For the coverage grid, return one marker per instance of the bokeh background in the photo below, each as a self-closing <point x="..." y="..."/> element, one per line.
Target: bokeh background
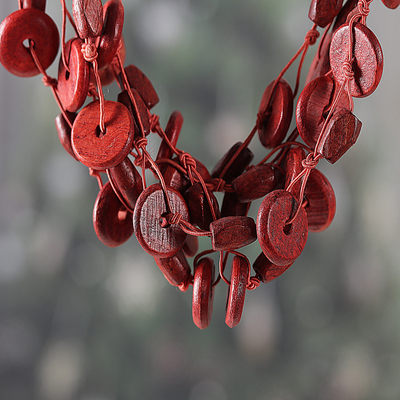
<point x="82" y="321"/>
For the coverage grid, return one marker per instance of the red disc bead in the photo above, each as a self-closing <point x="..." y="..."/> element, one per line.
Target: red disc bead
<point x="175" y="269"/>
<point x="88" y="17"/>
<point x="322" y="12"/>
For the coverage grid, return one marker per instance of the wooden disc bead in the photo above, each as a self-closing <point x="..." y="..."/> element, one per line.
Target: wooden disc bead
<point x="113" y="15"/>
<point x="231" y="206"/>
<point x="237" y="291"/>
<point x="280" y="242"/>
<point x="191" y="246"/>
<point x="275" y="119"/>
<point x="126" y="182"/>
<point x="321" y="201"/>
<point x="231" y="233"/>
<point x="27" y="24"/>
<point x="268" y="271"/>
<point x="64" y="132"/>
<point x="150" y="207"/>
<point x="38" y="4"/>
<point x="255" y="183"/>
<point x="203" y="292"/>
<point x="73" y="85"/>
<point x="391" y="3"/>
<point x="88" y="17"/>
<point x="175" y="269"/>
<point x="97" y="150"/>
<point x="367" y="56"/>
<point x="292" y="165"/>
<point x="142" y="84"/>
<point x="322" y="12"/>
<point x="112" y="221"/>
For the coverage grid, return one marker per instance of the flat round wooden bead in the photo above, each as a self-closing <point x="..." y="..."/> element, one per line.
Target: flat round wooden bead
<point x="266" y="270"/>
<point x="292" y="165"/>
<point x="255" y="183"/>
<point x="199" y="208"/>
<point x="367" y="56"/>
<point x="275" y="119"/>
<point x="112" y="221"/>
<point x="237" y="291"/>
<point x="38" y="4"/>
<point x="343" y="130"/>
<point x="391" y="3"/>
<point x="97" y="150"/>
<point x="322" y="12"/>
<point x="203" y="292"/>
<point x="237" y="167"/>
<point x="64" y="132"/>
<point x="157" y="240"/>
<point x="231" y="233"/>
<point x="280" y="242"/>
<point x="73" y="85"/>
<point x="27" y="24"/>
<point x="175" y="269"/>
<point x="113" y="15"/>
<point x="126" y="182"/>
<point x="142" y="84"/>
<point x="313" y="108"/>
<point x="231" y="205"/>
<point x="321" y="201"/>
<point x="88" y="17"/>
<point x="191" y="246"/>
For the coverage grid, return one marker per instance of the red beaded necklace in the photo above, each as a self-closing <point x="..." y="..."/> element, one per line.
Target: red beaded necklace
<point x="167" y="217"/>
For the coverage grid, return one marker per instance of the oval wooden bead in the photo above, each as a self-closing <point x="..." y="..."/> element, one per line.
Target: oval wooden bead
<point x="274" y="121"/>
<point x="38" y="4"/>
<point x="113" y="15"/>
<point x="27" y="24"/>
<point x="88" y="17"/>
<point x="175" y="269"/>
<point x="237" y="167"/>
<point x="126" y="182"/>
<point x="391" y="3"/>
<point x="292" y="165"/>
<point x="321" y="201"/>
<point x="155" y="239"/>
<point x="203" y="292"/>
<point x="255" y="183"/>
<point x="322" y="12"/>
<point x="64" y="132"/>
<point x="281" y="243"/>
<point x="199" y="209"/>
<point x="102" y="151"/>
<point x="367" y="56"/>
<point x="191" y="246"/>
<point x="313" y="108"/>
<point x="112" y="221"/>
<point x="343" y="130"/>
<point x="231" y="206"/>
<point x="266" y="270"/>
<point x="231" y="233"/>
<point x="142" y="84"/>
<point x="237" y="291"/>
<point x="73" y="85"/>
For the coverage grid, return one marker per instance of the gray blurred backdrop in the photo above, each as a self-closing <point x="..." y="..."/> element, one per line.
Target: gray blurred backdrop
<point x="82" y="321"/>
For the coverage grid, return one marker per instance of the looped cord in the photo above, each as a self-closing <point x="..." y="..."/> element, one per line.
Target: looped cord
<point x="48" y="81"/>
<point x="312" y="36"/>
<point x="218" y="185"/>
<point x="187" y="161"/>
<point x="140" y="143"/>
<point x="154" y="123"/>
<point x="347" y="71"/>
<point x="363" y="8"/>
<point x="174" y="219"/>
<point x="89" y="51"/>
<point x="309" y="162"/>
<point x="253" y="283"/>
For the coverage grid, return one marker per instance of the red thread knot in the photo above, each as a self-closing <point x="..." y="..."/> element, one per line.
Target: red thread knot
<point x="187" y="161"/>
<point x="48" y="81"/>
<point x="218" y="185"/>
<point x="363" y="7"/>
<point x="312" y="36"/>
<point x="89" y="51"/>
<point x="347" y="71"/>
<point x="253" y="283"/>
<point x="174" y="219"/>
<point x="154" y="122"/>
<point x="185" y="285"/>
<point x="309" y="162"/>
<point x="141" y="143"/>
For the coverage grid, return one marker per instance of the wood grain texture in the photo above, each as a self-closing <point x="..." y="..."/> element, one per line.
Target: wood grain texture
<point x="88" y="17"/>
<point x="275" y="118"/>
<point x="281" y="243"/>
<point x="102" y="151"/>
<point x="27" y="24"/>
<point x="292" y="164"/>
<point x="111" y="220"/>
<point x="203" y="292"/>
<point x="266" y="270"/>
<point x="64" y="133"/>
<point x="175" y="269"/>
<point x="367" y="56"/>
<point x="237" y="291"/>
<point x="73" y="85"/>
<point x="231" y="233"/>
<point x="322" y="12"/>
<point x="150" y="206"/>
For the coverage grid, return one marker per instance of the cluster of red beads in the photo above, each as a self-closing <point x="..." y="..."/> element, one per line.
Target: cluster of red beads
<point x="110" y="137"/>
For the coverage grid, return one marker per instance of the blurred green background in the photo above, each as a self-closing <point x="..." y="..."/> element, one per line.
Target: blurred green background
<point x="82" y="321"/>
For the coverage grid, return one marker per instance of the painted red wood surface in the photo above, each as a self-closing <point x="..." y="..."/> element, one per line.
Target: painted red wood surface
<point x="322" y="12"/>
<point x="175" y="269"/>
<point x="268" y="271"/>
<point x="64" y="132"/>
<point x="88" y="17"/>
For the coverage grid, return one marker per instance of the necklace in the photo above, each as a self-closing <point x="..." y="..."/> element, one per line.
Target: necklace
<point x="167" y="217"/>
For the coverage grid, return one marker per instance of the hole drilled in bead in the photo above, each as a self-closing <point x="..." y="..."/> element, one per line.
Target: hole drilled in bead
<point x="26" y="43"/>
<point x="287" y="229"/>
<point x="163" y="221"/>
<point x="99" y="133"/>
